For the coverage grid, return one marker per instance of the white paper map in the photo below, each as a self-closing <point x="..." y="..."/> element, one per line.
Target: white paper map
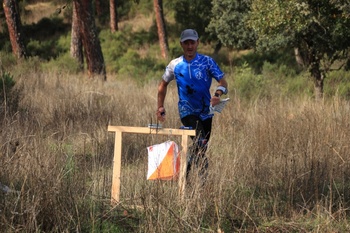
<point x="219" y="107"/>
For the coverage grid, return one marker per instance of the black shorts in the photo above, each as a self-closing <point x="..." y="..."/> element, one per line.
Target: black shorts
<point x="203" y="128"/>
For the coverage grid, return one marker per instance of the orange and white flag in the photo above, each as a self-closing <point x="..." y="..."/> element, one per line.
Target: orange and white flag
<point x="163" y="161"/>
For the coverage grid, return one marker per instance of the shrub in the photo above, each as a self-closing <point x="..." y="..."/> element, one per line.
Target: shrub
<point x="247" y="83"/>
<point x="274" y="81"/>
<point x="7" y="60"/>
<point x="28" y="66"/>
<point x="65" y="62"/>
<point x="132" y="65"/>
<point x="9" y="97"/>
<point x="257" y="60"/>
<point x="44" y="49"/>
<point x="338" y="83"/>
<point x="298" y="85"/>
<point x="114" y="45"/>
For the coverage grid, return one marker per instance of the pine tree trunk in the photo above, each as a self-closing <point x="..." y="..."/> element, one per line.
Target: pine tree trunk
<point x="14" y="25"/>
<point x="89" y="36"/>
<point x="76" y="46"/>
<point x="163" y="42"/>
<point x="113" y="15"/>
<point x="98" y="8"/>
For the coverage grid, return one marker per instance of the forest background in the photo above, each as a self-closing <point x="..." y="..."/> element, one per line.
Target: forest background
<point x="279" y="157"/>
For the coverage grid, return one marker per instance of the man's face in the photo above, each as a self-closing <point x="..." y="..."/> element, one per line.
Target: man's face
<point x="190" y="48"/>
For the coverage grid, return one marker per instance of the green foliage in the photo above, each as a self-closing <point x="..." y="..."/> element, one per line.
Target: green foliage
<point x="30" y="65"/>
<point x="46" y="28"/>
<point x="114" y="45"/>
<point x="318" y="29"/>
<point x="144" y="7"/>
<point x="282" y="80"/>
<point x="229" y="23"/>
<point x="274" y="80"/>
<point x="194" y="14"/>
<point x="247" y="84"/>
<point x="132" y="65"/>
<point x="338" y="84"/>
<point x="321" y="25"/>
<point x="9" y="96"/>
<point x="5" y="44"/>
<point x="63" y="43"/>
<point x="7" y="60"/>
<point x="63" y="63"/>
<point x="43" y="49"/>
<point x="256" y="60"/>
<point x="175" y="50"/>
<point x="126" y="224"/>
<point x="298" y="85"/>
<point x="6" y="82"/>
<point x="275" y="22"/>
<point x="121" y="53"/>
<point x="44" y="38"/>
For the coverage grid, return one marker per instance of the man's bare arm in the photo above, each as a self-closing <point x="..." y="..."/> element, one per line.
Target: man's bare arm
<point x="162" y="90"/>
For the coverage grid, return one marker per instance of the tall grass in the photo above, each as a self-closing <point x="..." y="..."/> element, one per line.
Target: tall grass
<point x="277" y="165"/>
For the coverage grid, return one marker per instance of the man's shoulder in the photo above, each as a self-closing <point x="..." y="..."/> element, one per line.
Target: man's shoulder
<point x="175" y="61"/>
<point x="202" y="57"/>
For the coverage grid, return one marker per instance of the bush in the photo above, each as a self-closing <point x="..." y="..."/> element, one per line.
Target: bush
<point x="257" y="60"/>
<point x="44" y="38"/>
<point x="298" y="85"/>
<point x="114" y="45"/>
<point x="28" y="66"/>
<point x="337" y="83"/>
<point x="132" y="65"/>
<point x="274" y="81"/>
<point x="247" y="83"/>
<point x="9" y="97"/>
<point x="65" y="62"/>
<point x="7" y="60"/>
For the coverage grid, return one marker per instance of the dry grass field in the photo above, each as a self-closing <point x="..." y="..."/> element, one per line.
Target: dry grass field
<point x="275" y="166"/>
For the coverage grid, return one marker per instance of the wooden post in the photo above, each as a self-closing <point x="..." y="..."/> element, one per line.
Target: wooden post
<point x="119" y="130"/>
<point x="117" y="163"/>
<point x="183" y="162"/>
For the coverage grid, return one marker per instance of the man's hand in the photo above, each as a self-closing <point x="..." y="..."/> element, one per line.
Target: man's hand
<point x="161" y="114"/>
<point x="214" y="100"/>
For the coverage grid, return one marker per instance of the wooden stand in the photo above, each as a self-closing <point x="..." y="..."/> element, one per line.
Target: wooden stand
<point x="145" y="130"/>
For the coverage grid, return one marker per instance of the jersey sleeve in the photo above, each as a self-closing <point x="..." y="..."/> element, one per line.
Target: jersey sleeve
<point x="169" y="72"/>
<point x="215" y="70"/>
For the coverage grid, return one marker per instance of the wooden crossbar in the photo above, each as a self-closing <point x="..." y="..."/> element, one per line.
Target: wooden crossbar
<point x="119" y="130"/>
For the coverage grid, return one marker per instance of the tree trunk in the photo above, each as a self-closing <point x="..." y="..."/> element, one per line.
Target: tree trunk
<point x="98" y="8"/>
<point x="163" y="42"/>
<point x="319" y="83"/>
<point x="217" y="48"/>
<point x="298" y="58"/>
<point x="317" y="75"/>
<point x="89" y="36"/>
<point x="14" y="25"/>
<point x="113" y="15"/>
<point x="76" y="46"/>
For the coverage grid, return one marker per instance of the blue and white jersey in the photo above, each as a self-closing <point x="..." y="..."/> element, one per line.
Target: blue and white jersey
<point x="193" y="81"/>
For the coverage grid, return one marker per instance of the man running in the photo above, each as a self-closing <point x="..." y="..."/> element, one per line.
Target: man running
<point x="193" y="73"/>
